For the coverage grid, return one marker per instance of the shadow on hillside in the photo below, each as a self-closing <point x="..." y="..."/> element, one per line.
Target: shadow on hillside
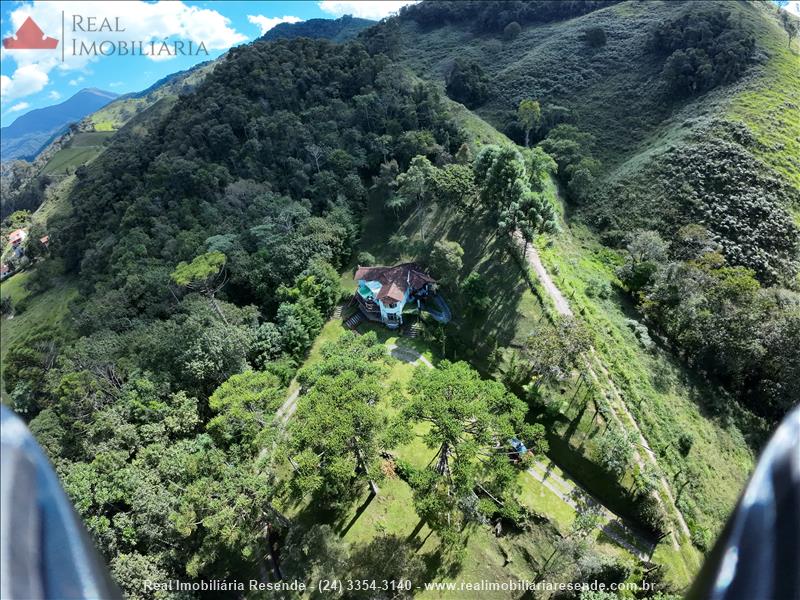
<point x="484" y="252"/>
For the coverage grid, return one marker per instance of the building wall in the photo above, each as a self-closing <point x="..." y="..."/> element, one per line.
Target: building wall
<point x="397" y="310"/>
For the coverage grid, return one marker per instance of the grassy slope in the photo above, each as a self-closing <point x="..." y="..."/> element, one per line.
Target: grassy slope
<point x="392" y="511"/>
<point x="615" y="93"/>
<point x="666" y="399"/>
<point x="116" y="114"/>
<point x="611" y="92"/>
<point x="770" y="104"/>
<point x="81" y="149"/>
<point x="45" y="311"/>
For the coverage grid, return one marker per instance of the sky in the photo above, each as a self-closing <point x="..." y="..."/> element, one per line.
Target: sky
<point x="31" y="79"/>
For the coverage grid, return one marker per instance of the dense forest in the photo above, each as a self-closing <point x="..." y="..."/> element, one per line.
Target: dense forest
<point x="214" y="237"/>
<point x="256" y="182"/>
<point x="724" y="211"/>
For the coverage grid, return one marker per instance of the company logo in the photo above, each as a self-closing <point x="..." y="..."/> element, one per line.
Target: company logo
<point x="30" y="37"/>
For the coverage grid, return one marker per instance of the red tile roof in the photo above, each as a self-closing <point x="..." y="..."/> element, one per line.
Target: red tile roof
<point x="394" y="280"/>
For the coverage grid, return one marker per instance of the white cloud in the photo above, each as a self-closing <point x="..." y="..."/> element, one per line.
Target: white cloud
<point x="370" y="9"/>
<point x="793" y="7"/>
<point x="267" y="23"/>
<point x="26" y="80"/>
<point x="114" y="84"/>
<point x="145" y="21"/>
<point x="77" y="80"/>
<point x="54" y="95"/>
<point x="18" y="107"/>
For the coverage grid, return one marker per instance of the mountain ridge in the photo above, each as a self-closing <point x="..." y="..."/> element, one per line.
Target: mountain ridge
<point x="31" y="132"/>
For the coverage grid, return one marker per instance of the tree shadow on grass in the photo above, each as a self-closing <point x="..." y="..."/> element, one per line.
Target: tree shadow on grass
<point x="321" y="510"/>
<point x="364" y="505"/>
<point x="574" y="423"/>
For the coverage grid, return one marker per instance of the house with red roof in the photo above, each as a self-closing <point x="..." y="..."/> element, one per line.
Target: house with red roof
<point x="384" y="291"/>
<point x="17" y="236"/>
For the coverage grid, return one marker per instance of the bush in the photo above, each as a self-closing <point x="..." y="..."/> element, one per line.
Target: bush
<point x="365" y="259"/>
<point x="651" y="515"/>
<point x="467" y="83"/>
<point x="511" y="31"/>
<point x="598" y="288"/>
<point x="701" y="537"/>
<point x="595" y="36"/>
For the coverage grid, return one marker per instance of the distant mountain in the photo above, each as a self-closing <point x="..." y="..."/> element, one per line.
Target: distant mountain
<point x="336" y="30"/>
<point x="31" y="132"/>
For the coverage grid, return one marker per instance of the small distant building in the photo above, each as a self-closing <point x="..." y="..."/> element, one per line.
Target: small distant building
<point x="17" y="236"/>
<point x="5" y="271"/>
<point x="384" y="291"/>
<point x="45" y="241"/>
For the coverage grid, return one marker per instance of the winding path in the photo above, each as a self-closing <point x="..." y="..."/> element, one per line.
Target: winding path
<point x="616" y="401"/>
<point x="532" y="258"/>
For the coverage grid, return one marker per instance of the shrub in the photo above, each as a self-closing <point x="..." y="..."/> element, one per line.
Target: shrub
<point x="511" y="31"/>
<point x="467" y="83"/>
<point x="365" y="259"/>
<point x="595" y="36"/>
<point x="651" y="515"/>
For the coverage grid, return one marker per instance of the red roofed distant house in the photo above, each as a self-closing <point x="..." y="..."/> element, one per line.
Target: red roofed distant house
<point x="384" y="291"/>
<point x="45" y="241"/>
<point x="16" y="237"/>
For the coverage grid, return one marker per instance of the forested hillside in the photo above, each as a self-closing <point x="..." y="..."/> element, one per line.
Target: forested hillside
<point x="257" y="180"/>
<point x="666" y="117"/>
<point x="337" y="30"/>
<point x="607" y="196"/>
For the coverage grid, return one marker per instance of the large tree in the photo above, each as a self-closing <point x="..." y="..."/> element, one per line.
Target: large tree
<point x="206" y="274"/>
<point x="529" y="113"/>
<point x="470" y="421"/>
<point x="553" y="350"/>
<point x="502" y="175"/>
<point x="338" y="431"/>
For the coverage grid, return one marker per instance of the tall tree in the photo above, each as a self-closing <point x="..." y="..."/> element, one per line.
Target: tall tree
<point x="470" y="420"/>
<point x="338" y="430"/>
<point x="501" y="173"/>
<point x="446" y="261"/>
<point x="529" y="113"/>
<point x="245" y="407"/>
<point x="206" y="274"/>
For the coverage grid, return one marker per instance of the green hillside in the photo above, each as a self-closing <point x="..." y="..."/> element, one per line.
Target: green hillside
<point x="606" y="195"/>
<point x="80" y="149"/>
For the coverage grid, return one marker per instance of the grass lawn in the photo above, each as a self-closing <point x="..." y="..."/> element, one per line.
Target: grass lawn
<point x="514" y="555"/>
<point x="666" y="398"/>
<point x="45" y="311"/>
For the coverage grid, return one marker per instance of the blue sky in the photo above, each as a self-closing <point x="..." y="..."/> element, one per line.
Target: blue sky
<point x="35" y="78"/>
<point x="32" y="79"/>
